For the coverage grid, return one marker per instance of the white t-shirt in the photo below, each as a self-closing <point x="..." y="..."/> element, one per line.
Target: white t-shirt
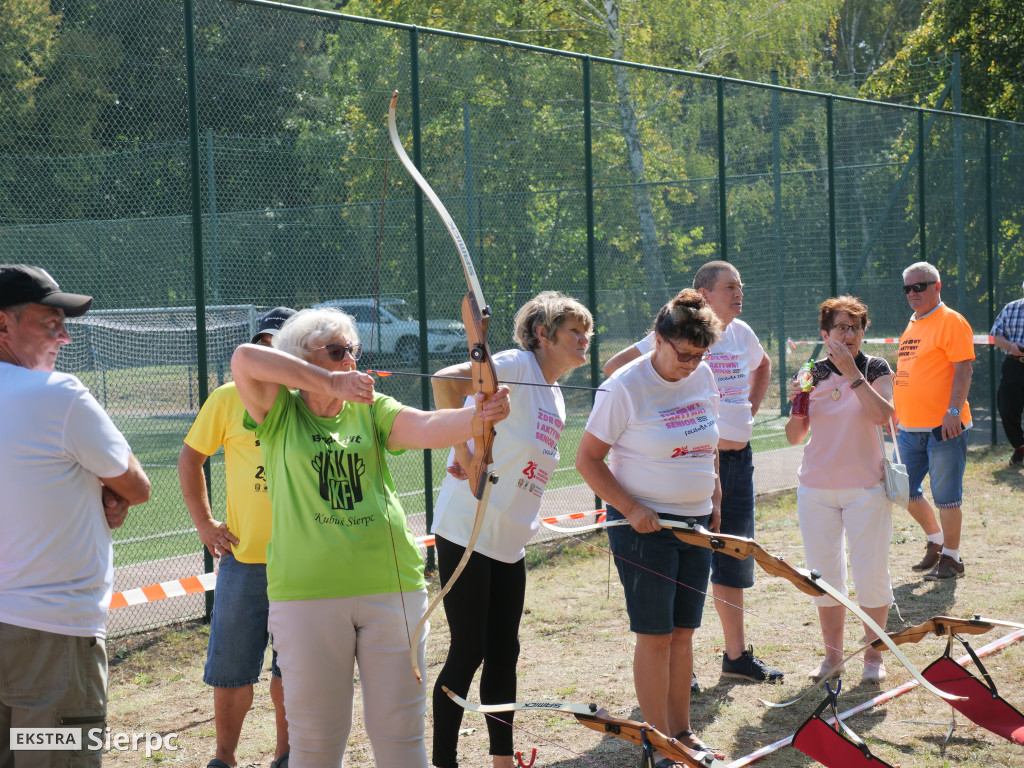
<point x="56" y="556"/>
<point x="732" y="359"/>
<point x="663" y="436"/>
<point x="525" y="455"/>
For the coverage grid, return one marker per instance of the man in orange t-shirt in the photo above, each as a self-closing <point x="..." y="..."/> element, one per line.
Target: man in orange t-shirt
<point x="933" y="377"/>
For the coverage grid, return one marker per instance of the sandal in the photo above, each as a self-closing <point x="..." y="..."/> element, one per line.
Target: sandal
<point x="692" y="742"/>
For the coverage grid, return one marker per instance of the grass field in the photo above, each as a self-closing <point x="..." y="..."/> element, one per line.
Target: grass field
<point x="576" y="647"/>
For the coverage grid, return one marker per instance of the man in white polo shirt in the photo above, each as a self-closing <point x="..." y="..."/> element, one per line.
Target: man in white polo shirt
<point x="742" y="371"/>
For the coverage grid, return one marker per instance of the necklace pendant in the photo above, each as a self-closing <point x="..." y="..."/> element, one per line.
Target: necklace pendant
<point x="836" y="394"/>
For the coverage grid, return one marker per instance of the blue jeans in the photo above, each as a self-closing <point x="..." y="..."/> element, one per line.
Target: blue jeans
<point x="238" y="629"/>
<point x="943" y="461"/>
<point x="736" y="471"/>
<point x="665" y="580"/>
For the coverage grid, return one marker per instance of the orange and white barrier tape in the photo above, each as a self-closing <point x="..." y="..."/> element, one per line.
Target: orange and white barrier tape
<point x="978" y="339"/>
<point x="428" y="541"/>
<point x="190" y="585"/>
<point x="205" y="582"/>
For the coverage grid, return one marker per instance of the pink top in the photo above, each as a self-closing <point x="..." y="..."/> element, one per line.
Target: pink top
<point x="843" y="451"/>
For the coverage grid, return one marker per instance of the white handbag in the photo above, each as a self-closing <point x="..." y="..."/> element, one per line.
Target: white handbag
<point x="894" y="475"/>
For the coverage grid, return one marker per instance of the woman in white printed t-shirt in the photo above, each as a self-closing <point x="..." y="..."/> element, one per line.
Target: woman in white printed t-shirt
<point x="657" y="423"/>
<point x="485" y="606"/>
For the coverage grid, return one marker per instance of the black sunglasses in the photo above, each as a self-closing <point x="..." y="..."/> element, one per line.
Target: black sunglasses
<point x="337" y="352"/>
<point x="918" y="287"/>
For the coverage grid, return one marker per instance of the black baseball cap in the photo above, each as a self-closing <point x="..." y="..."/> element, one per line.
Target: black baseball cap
<point x="271" y="322"/>
<point x="22" y="284"/>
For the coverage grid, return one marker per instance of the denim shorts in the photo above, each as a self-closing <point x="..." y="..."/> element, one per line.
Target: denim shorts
<point x="736" y="471"/>
<point x="665" y="580"/>
<point x="943" y="461"/>
<point x="238" y="629"/>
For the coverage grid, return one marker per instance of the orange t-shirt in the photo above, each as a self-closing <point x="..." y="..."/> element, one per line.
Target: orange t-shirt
<point x="924" y="374"/>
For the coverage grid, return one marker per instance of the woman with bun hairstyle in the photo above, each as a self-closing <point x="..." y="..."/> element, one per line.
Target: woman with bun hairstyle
<point x="656" y="422"/>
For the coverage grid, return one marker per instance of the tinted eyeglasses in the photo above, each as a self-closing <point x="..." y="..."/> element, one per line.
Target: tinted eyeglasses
<point x="682" y="357"/>
<point x="844" y="329"/>
<point x="337" y="352"/>
<point x="918" y="287"/>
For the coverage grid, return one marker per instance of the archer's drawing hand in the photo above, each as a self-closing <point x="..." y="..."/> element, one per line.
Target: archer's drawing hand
<point x="352" y="386"/>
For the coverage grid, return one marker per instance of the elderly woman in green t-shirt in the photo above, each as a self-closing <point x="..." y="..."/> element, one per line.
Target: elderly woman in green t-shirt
<point x="344" y="575"/>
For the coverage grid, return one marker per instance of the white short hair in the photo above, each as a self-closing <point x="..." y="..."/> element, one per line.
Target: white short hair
<point x="311" y="328"/>
<point x="923" y="266"/>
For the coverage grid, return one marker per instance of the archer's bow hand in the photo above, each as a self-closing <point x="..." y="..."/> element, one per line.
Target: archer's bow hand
<point x="352" y="386"/>
<point x="642" y="518"/>
<point x="493" y="409"/>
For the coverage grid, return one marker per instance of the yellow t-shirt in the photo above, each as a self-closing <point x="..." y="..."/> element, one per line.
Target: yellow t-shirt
<point x="248" y="516"/>
<point x="924" y="374"/>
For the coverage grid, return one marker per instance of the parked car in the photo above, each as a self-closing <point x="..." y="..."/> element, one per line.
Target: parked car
<point x="396" y="331"/>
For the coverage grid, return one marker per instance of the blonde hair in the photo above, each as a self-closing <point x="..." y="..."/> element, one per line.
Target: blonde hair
<point x="309" y="328"/>
<point x="688" y="317"/>
<point x="548" y="310"/>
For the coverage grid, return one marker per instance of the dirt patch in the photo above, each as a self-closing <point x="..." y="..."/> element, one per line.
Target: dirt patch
<point x="576" y="647"/>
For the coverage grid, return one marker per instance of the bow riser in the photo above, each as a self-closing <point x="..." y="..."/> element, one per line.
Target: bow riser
<point x="477" y="321"/>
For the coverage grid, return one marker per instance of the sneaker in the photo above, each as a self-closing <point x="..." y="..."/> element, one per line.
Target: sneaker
<point x="1017" y="457"/>
<point x="694" y="685"/>
<point x="749" y="667"/>
<point x="947" y="568"/>
<point x="930" y="559"/>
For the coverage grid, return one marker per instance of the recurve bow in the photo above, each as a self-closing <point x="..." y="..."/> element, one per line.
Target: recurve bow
<point x="476" y="316"/>
<point x="599" y="719"/>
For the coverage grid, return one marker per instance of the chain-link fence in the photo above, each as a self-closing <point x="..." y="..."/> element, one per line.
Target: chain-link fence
<point x="151" y="147"/>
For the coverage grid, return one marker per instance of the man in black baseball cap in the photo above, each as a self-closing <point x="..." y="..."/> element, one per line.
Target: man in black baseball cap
<point x="22" y="284"/>
<point x="270" y="323"/>
<point x="68" y="477"/>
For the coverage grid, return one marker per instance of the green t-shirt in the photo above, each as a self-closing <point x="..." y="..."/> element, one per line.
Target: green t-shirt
<point x="332" y="496"/>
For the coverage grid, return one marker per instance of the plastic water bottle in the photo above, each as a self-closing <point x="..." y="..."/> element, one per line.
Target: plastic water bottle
<point x="806" y="381"/>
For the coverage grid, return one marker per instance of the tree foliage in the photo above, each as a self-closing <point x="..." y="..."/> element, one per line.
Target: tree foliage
<point x="990" y="37"/>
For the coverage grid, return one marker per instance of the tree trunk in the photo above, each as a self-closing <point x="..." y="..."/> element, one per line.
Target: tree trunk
<point x="650" y="255"/>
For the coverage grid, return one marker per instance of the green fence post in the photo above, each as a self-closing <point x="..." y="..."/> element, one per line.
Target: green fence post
<point x="588" y="183"/>
<point x="780" y="288"/>
<point x="920" y="183"/>
<point x="722" y="197"/>
<point x="958" y="190"/>
<point x="421" y="274"/>
<point x="830" y="151"/>
<point x="990" y="245"/>
<point x="197" y="246"/>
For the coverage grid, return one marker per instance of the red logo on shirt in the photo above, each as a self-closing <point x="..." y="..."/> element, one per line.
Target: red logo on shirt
<point x="531" y="469"/>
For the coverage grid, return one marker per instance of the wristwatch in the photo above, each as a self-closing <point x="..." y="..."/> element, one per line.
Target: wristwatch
<point x="953" y="411"/>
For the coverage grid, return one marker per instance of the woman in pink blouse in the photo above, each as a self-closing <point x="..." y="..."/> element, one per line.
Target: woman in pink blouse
<point x="841" y="494"/>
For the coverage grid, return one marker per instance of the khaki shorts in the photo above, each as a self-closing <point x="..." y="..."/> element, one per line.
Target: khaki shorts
<point x="52" y="681"/>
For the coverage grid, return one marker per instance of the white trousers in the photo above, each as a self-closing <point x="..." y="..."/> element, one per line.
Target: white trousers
<point x="318" y="643"/>
<point x="859" y="517"/>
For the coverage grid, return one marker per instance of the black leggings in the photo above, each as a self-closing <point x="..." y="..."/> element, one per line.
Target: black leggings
<point x="483" y="610"/>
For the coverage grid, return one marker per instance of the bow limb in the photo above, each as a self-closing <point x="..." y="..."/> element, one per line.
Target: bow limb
<point x="940" y="626"/>
<point x="806" y="581"/>
<point x="598" y="719"/>
<point x="476" y="317"/>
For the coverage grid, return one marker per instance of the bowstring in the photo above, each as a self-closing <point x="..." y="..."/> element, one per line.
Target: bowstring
<point x="373" y="424"/>
<point x="706" y="594"/>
